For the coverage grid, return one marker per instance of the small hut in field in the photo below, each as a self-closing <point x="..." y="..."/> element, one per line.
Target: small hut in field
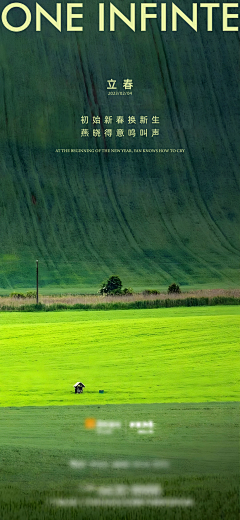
<point x="79" y="387"/>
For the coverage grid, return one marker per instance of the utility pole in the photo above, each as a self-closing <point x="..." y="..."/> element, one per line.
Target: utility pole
<point x="37" y="281"/>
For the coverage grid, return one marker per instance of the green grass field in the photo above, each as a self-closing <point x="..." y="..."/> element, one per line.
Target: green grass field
<point x="150" y="218"/>
<point x="182" y="355"/>
<point x="176" y="367"/>
<point x="147" y="356"/>
<point x="199" y="442"/>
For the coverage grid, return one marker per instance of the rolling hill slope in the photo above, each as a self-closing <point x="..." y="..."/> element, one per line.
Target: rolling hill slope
<point x="150" y="217"/>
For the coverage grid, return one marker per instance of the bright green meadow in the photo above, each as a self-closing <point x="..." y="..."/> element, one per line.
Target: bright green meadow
<point x="177" y="368"/>
<point x="150" y="218"/>
<point x="147" y="356"/>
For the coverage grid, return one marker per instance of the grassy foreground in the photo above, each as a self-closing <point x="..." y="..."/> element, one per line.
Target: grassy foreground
<point x="198" y="441"/>
<point x="137" y="356"/>
<point x="147" y="356"/>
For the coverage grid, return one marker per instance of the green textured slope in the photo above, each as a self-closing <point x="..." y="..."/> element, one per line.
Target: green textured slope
<point x="151" y="218"/>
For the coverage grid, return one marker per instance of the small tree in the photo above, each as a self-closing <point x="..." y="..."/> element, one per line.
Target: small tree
<point x="127" y="290"/>
<point x="112" y="286"/>
<point x="174" y="288"/>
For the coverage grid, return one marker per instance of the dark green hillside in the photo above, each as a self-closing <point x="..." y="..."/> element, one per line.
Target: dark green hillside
<point x="150" y="217"/>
